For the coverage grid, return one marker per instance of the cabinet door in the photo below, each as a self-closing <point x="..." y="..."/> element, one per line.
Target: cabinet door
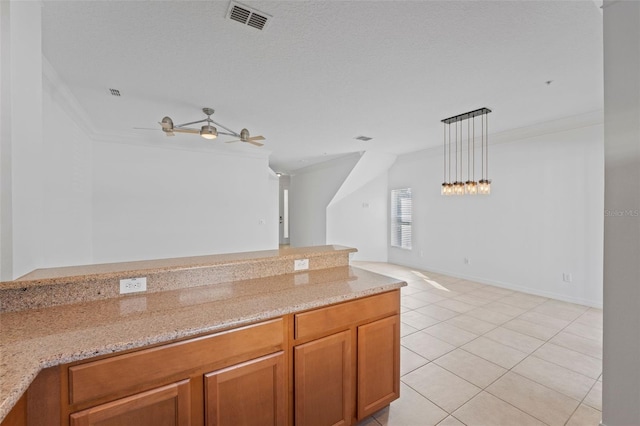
<point x="251" y="393"/>
<point x="322" y="370"/>
<point x="165" y="406"/>
<point x="378" y="365"/>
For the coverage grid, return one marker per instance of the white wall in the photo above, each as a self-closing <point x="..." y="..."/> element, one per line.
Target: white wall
<point x="543" y="217"/>
<point x="156" y="203"/>
<point x="312" y="188"/>
<point x="6" y="210"/>
<point x="22" y="156"/>
<point x="67" y="198"/>
<point x="621" y="392"/>
<point x="360" y="220"/>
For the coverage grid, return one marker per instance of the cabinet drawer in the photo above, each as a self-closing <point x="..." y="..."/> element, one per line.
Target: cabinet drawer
<point x="117" y="375"/>
<point x="344" y="315"/>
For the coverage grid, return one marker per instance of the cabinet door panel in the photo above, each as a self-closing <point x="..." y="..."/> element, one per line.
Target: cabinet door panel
<point x="323" y="393"/>
<point x="378" y="364"/>
<point x="251" y="393"/>
<point x="165" y="406"/>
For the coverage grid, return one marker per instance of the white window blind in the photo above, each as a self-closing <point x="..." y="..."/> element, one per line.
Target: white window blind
<point x="401" y="218"/>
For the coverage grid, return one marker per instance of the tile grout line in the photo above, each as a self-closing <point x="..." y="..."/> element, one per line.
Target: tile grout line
<point x="580" y="402"/>
<point x="508" y="370"/>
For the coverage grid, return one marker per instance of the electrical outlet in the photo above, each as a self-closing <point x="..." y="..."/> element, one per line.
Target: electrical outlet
<point x="467" y="261"/>
<point x="566" y="277"/>
<point x="300" y="264"/>
<point x="133" y="285"/>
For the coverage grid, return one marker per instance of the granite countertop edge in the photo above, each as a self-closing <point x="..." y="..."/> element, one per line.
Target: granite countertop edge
<point x="79" y="274"/>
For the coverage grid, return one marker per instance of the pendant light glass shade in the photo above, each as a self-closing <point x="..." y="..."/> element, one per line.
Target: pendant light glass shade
<point x="470" y="187"/>
<point x="484" y="186"/>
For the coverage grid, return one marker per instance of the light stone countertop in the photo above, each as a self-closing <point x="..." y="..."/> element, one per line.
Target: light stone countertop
<point x="34" y="339"/>
<point x="78" y="274"/>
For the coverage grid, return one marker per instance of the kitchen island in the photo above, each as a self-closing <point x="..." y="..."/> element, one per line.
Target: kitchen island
<point x="90" y="356"/>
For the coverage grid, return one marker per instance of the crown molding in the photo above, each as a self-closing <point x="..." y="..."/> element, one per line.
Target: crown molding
<point x="61" y="93"/>
<point x="565" y="124"/>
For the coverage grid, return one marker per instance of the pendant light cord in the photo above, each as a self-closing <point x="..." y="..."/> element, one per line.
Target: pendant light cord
<point x="473" y="143"/>
<point x="444" y="147"/>
<point x="449" y="125"/>
<point x="482" y="144"/>
<point x="487" y="130"/>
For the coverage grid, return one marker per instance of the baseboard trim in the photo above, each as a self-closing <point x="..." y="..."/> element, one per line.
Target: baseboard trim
<point x="510" y="286"/>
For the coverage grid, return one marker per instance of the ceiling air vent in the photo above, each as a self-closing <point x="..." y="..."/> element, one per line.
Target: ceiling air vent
<point x="114" y="92"/>
<point x="363" y="138"/>
<point x="248" y="16"/>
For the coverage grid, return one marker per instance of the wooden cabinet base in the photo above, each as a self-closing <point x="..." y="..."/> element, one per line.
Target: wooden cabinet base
<point x="330" y="366"/>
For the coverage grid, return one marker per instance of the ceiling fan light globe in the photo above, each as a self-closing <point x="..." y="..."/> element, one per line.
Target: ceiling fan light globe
<point x="167" y="123"/>
<point x="208" y="132"/>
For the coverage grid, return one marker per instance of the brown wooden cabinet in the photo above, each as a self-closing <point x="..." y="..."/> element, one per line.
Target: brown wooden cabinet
<point x="251" y="394"/>
<point x="323" y="381"/>
<point x="334" y="365"/>
<point x="164" y="406"/>
<point x="346" y="360"/>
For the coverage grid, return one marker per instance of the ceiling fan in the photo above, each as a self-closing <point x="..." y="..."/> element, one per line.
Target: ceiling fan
<point x="208" y="131"/>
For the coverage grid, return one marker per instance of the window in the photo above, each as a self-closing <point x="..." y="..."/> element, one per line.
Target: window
<point x="401" y="218"/>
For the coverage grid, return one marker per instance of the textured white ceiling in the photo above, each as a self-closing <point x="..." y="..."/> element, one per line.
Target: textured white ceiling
<point x="324" y="72"/>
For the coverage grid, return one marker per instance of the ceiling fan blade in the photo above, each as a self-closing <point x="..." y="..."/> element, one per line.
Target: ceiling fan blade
<point x="254" y="143"/>
<point x="256" y="138"/>
<point x="194" y="131"/>
<point x="236" y="140"/>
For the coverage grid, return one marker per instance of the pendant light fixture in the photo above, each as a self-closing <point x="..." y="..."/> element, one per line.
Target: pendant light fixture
<point x="470" y="186"/>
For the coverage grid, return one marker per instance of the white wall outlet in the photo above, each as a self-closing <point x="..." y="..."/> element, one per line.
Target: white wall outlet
<point x="467" y="261"/>
<point x="300" y="264"/>
<point x="421" y="253"/>
<point x="566" y="277"/>
<point x="133" y="285"/>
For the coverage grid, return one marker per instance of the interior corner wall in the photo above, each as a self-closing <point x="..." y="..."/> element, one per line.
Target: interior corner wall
<point x="6" y="214"/>
<point x="312" y="189"/>
<point x="621" y="384"/>
<point x="67" y="180"/>
<point x="360" y="220"/>
<point x="543" y="219"/>
<point x="152" y="202"/>
<point x="22" y="156"/>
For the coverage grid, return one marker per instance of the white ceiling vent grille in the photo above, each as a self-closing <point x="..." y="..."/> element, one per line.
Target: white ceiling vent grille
<point x="363" y="138"/>
<point x="248" y="16"/>
<point x="114" y="92"/>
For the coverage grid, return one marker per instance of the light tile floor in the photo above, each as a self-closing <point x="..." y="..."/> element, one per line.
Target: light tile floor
<point x="478" y="355"/>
